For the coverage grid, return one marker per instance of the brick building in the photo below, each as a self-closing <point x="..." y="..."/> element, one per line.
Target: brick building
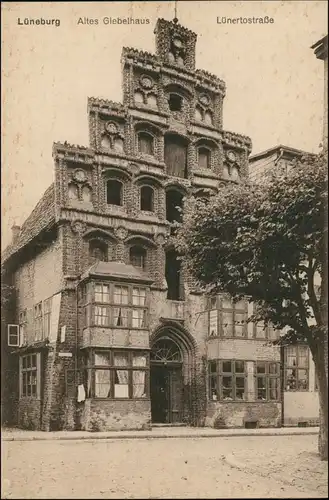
<point x="107" y="330"/>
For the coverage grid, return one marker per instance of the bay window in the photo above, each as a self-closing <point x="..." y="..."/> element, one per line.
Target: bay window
<point x="118" y="375"/>
<point x="226" y="318"/>
<point x="227" y="380"/>
<point x="116" y="305"/>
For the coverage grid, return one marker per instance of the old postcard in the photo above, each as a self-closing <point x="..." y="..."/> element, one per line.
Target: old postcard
<point x="163" y="305"/>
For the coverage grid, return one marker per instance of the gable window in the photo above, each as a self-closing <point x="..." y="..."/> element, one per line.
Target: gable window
<point x="145" y="143"/>
<point x="147" y="199"/>
<point x="204" y="158"/>
<point x="137" y="256"/>
<point x="267" y="381"/>
<point x="296" y="368"/>
<point x="174" y="202"/>
<point x="98" y="251"/>
<point x="29" y="375"/>
<point x="174" y="278"/>
<point x="119" y="375"/>
<point x="114" y="190"/>
<point x="227" y="380"/>
<point x="175" y="102"/>
<point x="175" y="154"/>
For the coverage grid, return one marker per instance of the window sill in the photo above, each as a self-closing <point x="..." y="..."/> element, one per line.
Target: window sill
<point x="249" y="401"/>
<point x="118" y="399"/>
<point x="222" y="337"/>
<point x="297" y="390"/>
<point x="29" y="398"/>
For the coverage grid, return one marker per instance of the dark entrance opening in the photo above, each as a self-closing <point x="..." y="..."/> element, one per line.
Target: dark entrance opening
<point x="166" y="382"/>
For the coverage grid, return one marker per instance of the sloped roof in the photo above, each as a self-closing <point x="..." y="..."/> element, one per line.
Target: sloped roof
<point x="117" y="270"/>
<point x="276" y="149"/>
<point x="41" y="217"/>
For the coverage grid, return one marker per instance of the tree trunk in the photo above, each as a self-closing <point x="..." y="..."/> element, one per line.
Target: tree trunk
<point x="319" y="359"/>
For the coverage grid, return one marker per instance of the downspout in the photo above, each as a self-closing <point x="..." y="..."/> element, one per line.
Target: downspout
<point x="282" y="383"/>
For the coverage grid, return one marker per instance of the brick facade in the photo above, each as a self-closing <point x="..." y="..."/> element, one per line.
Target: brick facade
<point x="175" y="106"/>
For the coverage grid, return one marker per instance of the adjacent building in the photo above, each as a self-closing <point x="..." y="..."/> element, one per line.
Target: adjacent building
<point x="107" y="330"/>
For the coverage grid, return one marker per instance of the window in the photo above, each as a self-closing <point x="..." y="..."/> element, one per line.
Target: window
<point x="23" y="326"/>
<point x="120" y="314"/>
<point x="120" y="294"/>
<point x="227" y="380"/>
<point x="117" y="306"/>
<point x="267" y="381"/>
<point x="38" y="327"/>
<point x="296" y="368"/>
<point x="114" y="190"/>
<point x="29" y="373"/>
<point x="13" y="335"/>
<point x="102" y="293"/>
<point x="145" y="143"/>
<point x="204" y="158"/>
<point x="232" y="318"/>
<point x="175" y="102"/>
<point x="213" y="318"/>
<point x="147" y="199"/>
<point x="174" y="204"/>
<point x="119" y="375"/>
<point x="47" y="317"/>
<point x="101" y="310"/>
<point x="138" y="312"/>
<point x="174" y="276"/>
<point x="137" y="256"/>
<point x="98" y="251"/>
<point x="175" y="154"/>
<point x="265" y="332"/>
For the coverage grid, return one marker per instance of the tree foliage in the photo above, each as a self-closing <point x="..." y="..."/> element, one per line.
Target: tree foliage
<point x="267" y="242"/>
<point x="264" y="241"/>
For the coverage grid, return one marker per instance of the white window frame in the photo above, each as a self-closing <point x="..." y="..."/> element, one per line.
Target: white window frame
<point x="9" y="334"/>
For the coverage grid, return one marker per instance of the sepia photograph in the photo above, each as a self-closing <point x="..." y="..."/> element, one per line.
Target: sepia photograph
<point x="164" y="249"/>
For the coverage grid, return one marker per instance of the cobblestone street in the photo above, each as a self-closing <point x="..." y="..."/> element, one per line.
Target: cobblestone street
<point x="235" y="467"/>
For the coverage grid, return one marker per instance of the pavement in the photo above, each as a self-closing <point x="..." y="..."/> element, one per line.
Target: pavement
<point x="15" y="434"/>
<point x="280" y="466"/>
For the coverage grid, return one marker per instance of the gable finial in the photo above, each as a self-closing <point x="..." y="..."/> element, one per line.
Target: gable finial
<point x="175" y="20"/>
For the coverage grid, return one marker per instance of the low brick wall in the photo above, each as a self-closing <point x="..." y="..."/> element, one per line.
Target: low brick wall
<point x="29" y="413"/>
<point x="236" y="414"/>
<point x="109" y="415"/>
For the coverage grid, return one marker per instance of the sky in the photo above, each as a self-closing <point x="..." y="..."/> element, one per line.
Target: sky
<point x="274" y="83"/>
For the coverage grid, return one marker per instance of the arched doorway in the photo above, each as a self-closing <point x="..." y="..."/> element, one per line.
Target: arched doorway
<point x="166" y="381"/>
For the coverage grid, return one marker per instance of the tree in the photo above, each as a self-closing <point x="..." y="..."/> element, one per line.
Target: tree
<point x="268" y="243"/>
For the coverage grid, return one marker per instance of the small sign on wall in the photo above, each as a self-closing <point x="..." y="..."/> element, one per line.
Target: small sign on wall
<point x="65" y="354"/>
<point x="63" y="333"/>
